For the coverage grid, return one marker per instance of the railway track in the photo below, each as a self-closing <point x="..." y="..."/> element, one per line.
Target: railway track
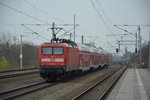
<point x="18" y="72"/>
<point x="14" y="93"/>
<point x="4" y="71"/>
<point x="24" y="90"/>
<point x="101" y="88"/>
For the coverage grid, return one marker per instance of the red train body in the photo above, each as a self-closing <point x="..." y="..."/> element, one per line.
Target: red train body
<point x="59" y="59"/>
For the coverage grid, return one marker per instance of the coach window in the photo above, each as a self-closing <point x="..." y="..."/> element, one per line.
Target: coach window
<point x="47" y="50"/>
<point x="58" y="50"/>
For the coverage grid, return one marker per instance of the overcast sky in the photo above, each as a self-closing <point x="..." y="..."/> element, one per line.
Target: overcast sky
<point x="94" y="27"/>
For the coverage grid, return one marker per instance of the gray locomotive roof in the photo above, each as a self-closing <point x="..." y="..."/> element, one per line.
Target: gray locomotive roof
<point x="83" y="47"/>
<point x="89" y="48"/>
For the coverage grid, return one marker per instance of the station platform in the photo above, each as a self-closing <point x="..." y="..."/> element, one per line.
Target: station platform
<point x="133" y="85"/>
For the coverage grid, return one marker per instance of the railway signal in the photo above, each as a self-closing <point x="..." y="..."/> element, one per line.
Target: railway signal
<point x="117" y="50"/>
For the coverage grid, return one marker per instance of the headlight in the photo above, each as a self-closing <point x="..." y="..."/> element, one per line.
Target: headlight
<point x="59" y="60"/>
<point x="45" y="60"/>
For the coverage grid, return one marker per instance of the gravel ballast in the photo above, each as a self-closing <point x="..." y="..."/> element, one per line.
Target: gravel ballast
<point x="15" y="82"/>
<point x="60" y="90"/>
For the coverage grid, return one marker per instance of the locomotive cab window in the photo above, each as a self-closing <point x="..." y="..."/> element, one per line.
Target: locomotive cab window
<point x="46" y="50"/>
<point x="58" y="50"/>
<point x="52" y="50"/>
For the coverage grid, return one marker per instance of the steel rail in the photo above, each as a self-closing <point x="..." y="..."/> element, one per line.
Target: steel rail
<point x="18" y="74"/>
<point x="4" y="71"/>
<point x="111" y="85"/>
<point x="91" y="87"/>
<point x="24" y="90"/>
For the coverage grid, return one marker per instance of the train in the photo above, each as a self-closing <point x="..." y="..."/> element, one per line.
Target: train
<point x="64" y="57"/>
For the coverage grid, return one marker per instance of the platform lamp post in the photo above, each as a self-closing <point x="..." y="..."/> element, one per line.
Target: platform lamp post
<point x="21" y="55"/>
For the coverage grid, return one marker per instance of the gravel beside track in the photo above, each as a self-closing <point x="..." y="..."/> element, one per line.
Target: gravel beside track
<point x="60" y="91"/>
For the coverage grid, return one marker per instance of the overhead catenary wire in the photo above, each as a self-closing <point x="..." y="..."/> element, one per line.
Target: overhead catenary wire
<point x="130" y="32"/>
<point x="29" y="37"/>
<point x="50" y="24"/>
<point x="81" y="28"/>
<point x="92" y="36"/>
<point x="42" y="11"/>
<point x="67" y="31"/>
<point x="24" y="13"/>
<point x="107" y="15"/>
<point x="100" y="16"/>
<point x="35" y="32"/>
<point x="27" y="16"/>
<point x="107" y="45"/>
<point x="104" y="12"/>
<point x="34" y="38"/>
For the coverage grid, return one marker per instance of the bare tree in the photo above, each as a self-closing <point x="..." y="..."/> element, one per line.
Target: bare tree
<point x="10" y="50"/>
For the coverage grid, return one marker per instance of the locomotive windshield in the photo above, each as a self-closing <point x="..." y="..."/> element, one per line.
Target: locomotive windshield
<point x="52" y="50"/>
<point x="47" y="50"/>
<point x="58" y="50"/>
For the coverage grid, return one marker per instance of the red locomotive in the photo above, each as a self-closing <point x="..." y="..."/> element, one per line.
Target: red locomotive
<point x="65" y="57"/>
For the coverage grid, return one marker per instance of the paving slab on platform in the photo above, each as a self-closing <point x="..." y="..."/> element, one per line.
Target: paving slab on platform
<point x="133" y="85"/>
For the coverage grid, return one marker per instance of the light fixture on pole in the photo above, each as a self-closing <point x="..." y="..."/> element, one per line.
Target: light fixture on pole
<point x="21" y="55"/>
